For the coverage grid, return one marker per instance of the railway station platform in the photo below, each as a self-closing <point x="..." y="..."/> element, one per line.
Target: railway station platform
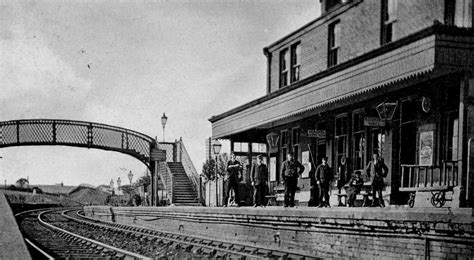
<point x="392" y="232"/>
<point x="12" y="244"/>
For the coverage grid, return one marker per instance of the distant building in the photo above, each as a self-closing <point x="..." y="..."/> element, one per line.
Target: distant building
<point x="391" y="77"/>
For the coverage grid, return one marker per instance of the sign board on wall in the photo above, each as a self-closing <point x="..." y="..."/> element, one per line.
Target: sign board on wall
<point x="426" y="148"/>
<point x="373" y="122"/>
<point x="313" y="133"/>
<point x="158" y="155"/>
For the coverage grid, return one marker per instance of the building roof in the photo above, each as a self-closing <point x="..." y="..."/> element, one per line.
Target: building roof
<point x="55" y="189"/>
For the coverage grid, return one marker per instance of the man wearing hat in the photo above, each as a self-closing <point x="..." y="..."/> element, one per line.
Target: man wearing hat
<point x="290" y="171"/>
<point x="324" y="176"/>
<point x="259" y="176"/>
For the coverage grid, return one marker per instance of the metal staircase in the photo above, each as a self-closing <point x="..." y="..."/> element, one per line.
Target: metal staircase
<point x="184" y="193"/>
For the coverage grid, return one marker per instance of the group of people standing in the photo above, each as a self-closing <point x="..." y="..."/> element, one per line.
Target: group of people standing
<point x="320" y="178"/>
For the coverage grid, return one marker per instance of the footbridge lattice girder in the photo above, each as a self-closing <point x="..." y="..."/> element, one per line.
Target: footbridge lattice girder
<point x="78" y="134"/>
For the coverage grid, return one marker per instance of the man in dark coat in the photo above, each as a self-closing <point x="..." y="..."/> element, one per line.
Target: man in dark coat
<point x="355" y="185"/>
<point x="324" y="176"/>
<point x="377" y="170"/>
<point x="259" y="176"/>
<point x="234" y="169"/>
<point x="290" y="171"/>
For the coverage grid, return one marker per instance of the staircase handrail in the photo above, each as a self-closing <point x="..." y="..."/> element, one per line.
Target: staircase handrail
<point x="190" y="169"/>
<point x="167" y="180"/>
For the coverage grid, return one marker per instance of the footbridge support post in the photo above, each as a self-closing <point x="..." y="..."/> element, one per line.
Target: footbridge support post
<point x="157" y="156"/>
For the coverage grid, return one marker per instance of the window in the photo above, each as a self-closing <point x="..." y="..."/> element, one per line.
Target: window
<point x="389" y="16"/>
<point x="284" y="144"/>
<point x="378" y="141"/>
<point x="296" y="142"/>
<point x="333" y="42"/>
<point x="241" y="147"/>
<point x="359" y="141"/>
<point x="458" y="13"/>
<point x="295" y="62"/>
<point x="259" y="148"/>
<point x="341" y="138"/>
<point x="284" y="67"/>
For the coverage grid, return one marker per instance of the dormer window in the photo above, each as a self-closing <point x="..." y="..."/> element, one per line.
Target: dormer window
<point x="389" y="16"/>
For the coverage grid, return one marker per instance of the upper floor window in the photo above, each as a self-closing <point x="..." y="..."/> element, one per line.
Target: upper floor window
<point x="290" y="62"/>
<point x="284" y="67"/>
<point x="389" y="16"/>
<point x="333" y="43"/>
<point x="295" y="62"/>
<point x="458" y="13"/>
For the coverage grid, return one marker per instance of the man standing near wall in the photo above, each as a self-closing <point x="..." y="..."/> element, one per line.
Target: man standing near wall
<point x="290" y="171"/>
<point x="324" y="176"/>
<point x="234" y="169"/>
<point x="259" y="176"/>
<point x="377" y="171"/>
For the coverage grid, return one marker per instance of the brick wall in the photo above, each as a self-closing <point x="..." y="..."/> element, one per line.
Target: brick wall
<point x="395" y="233"/>
<point x="360" y="33"/>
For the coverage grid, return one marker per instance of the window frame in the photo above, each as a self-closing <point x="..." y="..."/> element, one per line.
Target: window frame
<point x="285" y="67"/>
<point x="354" y="136"/>
<point x="295" y="141"/>
<point x="344" y="135"/>
<point x="334" y="34"/>
<point x="295" y="62"/>
<point x="388" y="17"/>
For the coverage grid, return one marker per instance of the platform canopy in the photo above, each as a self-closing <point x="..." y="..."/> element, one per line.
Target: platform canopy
<point x="426" y="53"/>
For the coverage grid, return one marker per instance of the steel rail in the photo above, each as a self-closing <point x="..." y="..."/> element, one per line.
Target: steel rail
<point x="39" y="249"/>
<point x="107" y="224"/>
<point x="125" y="252"/>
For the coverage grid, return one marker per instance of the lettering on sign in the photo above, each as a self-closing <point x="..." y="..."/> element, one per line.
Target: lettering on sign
<point x="374" y="122"/>
<point x="158" y="155"/>
<point x="313" y="133"/>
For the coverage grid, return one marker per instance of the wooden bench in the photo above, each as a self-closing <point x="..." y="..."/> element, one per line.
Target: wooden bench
<point x="279" y="193"/>
<point x="364" y="194"/>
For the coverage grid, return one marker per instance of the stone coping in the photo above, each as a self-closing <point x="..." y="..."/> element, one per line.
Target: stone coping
<point x="12" y="244"/>
<point x="446" y="215"/>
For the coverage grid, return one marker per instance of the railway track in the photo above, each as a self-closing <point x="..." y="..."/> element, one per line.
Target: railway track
<point x="68" y="234"/>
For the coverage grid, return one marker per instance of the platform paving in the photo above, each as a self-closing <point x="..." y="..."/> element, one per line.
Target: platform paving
<point x="12" y="244"/>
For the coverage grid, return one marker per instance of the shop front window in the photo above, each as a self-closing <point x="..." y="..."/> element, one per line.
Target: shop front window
<point x="341" y="139"/>
<point x="241" y="147"/>
<point x="378" y="141"/>
<point x="296" y="142"/>
<point x="359" y="141"/>
<point x="284" y="144"/>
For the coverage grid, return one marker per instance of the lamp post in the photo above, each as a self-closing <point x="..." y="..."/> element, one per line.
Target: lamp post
<point x="112" y="186"/>
<point x="118" y="188"/>
<point x="4" y="187"/>
<point x="164" y="119"/>
<point x="130" y="177"/>
<point x="216" y="147"/>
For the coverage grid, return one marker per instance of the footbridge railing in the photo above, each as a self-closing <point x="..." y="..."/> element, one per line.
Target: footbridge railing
<point x="76" y="133"/>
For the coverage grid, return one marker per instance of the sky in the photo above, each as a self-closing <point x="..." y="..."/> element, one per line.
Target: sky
<point x="126" y="63"/>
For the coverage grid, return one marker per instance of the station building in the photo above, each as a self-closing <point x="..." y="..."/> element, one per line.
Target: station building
<point x="393" y="77"/>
